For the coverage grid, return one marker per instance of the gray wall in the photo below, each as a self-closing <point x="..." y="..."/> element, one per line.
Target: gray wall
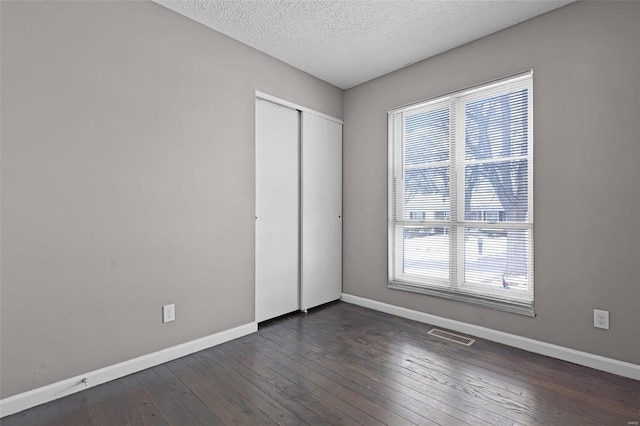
<point x="586" y="61"/>
<point x="127" y="182"/>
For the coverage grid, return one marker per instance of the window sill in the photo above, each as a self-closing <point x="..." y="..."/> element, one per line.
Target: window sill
<point x="519" y="308"/>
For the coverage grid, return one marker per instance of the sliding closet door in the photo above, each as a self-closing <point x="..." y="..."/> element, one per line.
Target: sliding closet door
<point x="321" y="211"/>
<point x="277" y="210"/>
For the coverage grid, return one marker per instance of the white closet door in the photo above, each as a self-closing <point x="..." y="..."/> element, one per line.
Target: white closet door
<point x="321" y="211"/>
<point x="277" y="210"/>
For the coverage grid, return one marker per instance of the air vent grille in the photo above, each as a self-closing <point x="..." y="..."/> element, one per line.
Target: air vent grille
<point x="451" y="337"/>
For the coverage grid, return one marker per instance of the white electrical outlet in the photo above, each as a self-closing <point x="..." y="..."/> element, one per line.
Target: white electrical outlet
<point x="168" y="313"/>
<point x="601" y="319"/>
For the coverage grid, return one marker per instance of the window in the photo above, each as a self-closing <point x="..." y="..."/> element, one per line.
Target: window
<point x="461" y="196"/>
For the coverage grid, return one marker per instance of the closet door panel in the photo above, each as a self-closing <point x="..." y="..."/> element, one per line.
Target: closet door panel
<point x="321" y="239"/>
<point x="277" y="210"/>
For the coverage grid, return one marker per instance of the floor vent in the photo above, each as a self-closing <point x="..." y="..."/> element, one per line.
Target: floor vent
<point x="450" y="336"/>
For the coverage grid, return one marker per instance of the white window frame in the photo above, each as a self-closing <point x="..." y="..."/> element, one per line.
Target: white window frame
<point x="454" y="286"/>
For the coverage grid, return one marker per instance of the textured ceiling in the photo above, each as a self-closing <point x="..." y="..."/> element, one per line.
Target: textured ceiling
<point x="348" y="42"/>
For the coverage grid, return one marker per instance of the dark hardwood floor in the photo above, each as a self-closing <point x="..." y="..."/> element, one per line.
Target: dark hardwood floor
<point x="342" y="364"/>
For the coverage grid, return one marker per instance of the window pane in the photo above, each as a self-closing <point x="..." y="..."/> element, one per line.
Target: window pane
<point x="460" y="180"/>
<point x="497" y="192"/>
<point x="426" y="193"/>
<point x="426" y="251"/>
<point x="496" y="258"/>
<point x="426" y="137"/>
<point x="497" y="127"/>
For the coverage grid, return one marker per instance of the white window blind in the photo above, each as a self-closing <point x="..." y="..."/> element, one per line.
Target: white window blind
<point x="461" y="195"/>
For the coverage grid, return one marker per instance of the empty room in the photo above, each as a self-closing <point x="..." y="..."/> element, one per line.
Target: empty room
<point x="367" y="212"/>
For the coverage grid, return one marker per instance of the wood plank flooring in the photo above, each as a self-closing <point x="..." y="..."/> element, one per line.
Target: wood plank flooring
<point x="342" y="364"/>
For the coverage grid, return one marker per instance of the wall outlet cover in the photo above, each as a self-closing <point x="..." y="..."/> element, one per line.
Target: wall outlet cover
<point x="168" y="313"/>
<point x="601" y="319"/>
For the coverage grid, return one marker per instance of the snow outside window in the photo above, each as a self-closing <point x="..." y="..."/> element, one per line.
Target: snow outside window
<point x="461" y="195"/>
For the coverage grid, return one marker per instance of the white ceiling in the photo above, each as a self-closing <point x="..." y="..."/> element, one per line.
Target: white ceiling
<point x="348" y="42"/>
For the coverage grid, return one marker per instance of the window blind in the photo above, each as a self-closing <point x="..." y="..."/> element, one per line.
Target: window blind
<point x="461" y="195"/>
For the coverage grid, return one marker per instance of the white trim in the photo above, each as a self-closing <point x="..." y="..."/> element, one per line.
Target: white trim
<point x="491" y="84"/>
<point x="276" y="100"/>
<point x="586" y="359"/>
<point x="32" y="398"/>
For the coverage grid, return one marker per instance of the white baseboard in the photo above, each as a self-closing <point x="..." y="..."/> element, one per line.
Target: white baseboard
<point x="586" y="359"/>
<point x="32" y="398"/>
